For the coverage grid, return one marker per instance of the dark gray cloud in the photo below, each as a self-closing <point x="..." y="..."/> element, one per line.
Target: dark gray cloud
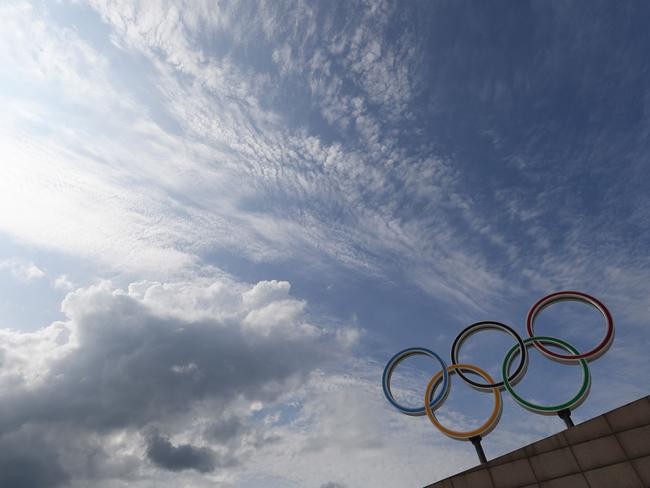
<point x="177" y="458"/>
<point x="332" y="484"/>
<point x="133" y="366"/>
<point x="28" y="460"/>
<point x="123" y="363"/>
<point x="225" y="429"/>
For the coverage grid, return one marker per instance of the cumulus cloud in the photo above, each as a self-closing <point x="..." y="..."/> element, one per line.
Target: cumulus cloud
<point x="177" y="458"/>
<point x="193" y="383"/>
<point x="30" y="460"/>
<point x="63" y="283"/>
<point x="135" y="368"/>
<point x="22" y="270"/>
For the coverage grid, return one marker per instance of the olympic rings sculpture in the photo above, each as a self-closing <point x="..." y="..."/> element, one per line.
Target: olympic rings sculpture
<point x="508" y="380"/>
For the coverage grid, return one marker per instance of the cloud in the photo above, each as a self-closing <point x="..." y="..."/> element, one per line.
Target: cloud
<point x="196" y="382"/>
<point x="62" y="282"/>
<point x="178" y="458"/>
<point x="349" y="336"/>
<point x="225" y="429"/>
<point x="345" y="426"/>
<point x="21" y="269"/>
<point x="128" y="365"/>
<point x="170" y="193"/>
<point x="30" y="459"/>
<point x="303" y="135"/>
<point x="373" y="188"/>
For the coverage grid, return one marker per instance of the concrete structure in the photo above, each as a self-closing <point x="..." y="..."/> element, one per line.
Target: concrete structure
<point x="609" y="451"/>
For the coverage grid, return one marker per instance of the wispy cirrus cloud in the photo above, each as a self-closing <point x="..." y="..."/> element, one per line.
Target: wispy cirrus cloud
<point x="229" y="141"/>
<point x="308" y="192"/>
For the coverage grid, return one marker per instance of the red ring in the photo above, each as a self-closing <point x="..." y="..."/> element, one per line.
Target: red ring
<point x="548" y="300"/>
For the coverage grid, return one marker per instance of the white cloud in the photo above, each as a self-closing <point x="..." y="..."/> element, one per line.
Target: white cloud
<point x="21" y="269"/>
<point x="266" y="292"/>
<point x="160" y="200"/>
<point x="349" y="336"/>
<point x="345" y="430"/>
<point x="62" y="282"/>
<point x="237" y="173"/>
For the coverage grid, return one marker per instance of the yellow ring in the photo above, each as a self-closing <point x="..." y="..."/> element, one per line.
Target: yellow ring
<point x="486" y="427"/>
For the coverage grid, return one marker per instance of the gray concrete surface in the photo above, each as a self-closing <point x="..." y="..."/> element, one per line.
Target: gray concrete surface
<point x="609" y="451"/>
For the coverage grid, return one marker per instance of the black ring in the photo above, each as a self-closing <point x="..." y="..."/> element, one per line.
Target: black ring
<point x="489" y="324"/>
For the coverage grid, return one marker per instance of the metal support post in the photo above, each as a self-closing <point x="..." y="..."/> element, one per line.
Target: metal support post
<point x="566" y="416"/>
<point x="476" y="441"/>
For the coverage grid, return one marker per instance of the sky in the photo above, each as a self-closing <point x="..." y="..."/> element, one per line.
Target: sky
<point x="219" y="220"/>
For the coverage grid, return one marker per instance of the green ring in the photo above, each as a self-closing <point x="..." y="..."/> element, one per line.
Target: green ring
<point x="543" y="408"/>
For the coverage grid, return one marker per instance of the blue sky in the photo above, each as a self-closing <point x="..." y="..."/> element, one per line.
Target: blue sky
<point x="219" y="221"/>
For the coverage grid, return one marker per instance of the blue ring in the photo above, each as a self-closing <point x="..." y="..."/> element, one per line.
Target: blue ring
<point x="398" y="358"/>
